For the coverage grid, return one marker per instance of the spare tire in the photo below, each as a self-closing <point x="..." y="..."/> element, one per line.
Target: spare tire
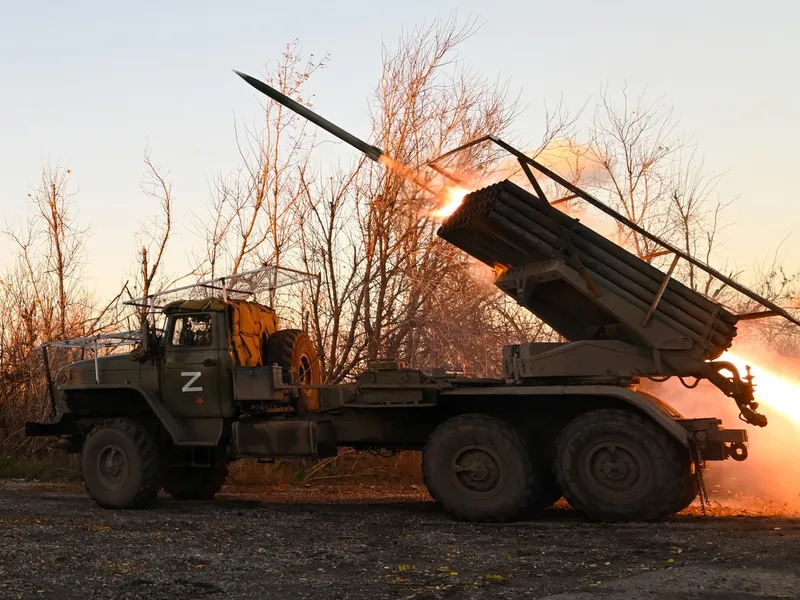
<point x="294" y="351"/>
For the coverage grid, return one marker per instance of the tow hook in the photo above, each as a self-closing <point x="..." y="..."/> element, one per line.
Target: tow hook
<point x="736" y="451"/>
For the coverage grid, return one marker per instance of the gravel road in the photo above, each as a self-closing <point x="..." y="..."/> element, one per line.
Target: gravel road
<point x="366" y="543"/>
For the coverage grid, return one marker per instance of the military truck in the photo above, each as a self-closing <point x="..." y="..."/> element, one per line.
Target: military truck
<point x="219" y="380"/>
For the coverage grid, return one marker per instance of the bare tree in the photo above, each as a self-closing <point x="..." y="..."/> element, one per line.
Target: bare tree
<point x="50" y="253"/>
<point x="656" y="179"/>
<point x="42" y="295"/>
<point x="426" y="101"/>
<point x="254" y="208"/>
<point x="152" y="240"/>
<point x="772" y="281"/>
<point x="635" y="146"/>
<point x="387" y="279"/>
<point x="695" y="221"/>
<point x="331" y="247"/>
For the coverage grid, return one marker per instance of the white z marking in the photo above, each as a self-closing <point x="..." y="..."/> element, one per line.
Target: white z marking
<point x="195" y="375"/>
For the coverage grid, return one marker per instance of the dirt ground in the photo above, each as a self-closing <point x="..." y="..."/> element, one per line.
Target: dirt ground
<point x="372" y="542"/>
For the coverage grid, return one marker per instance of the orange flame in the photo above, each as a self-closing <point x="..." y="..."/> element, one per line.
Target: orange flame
<point x="452" y="197"/>
<point x="779" y="393"/>
<point x="397" y="167"/>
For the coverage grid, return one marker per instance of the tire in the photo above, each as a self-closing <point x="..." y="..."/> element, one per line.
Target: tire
<point x="121" y="465"/>
<point x="495" y="480"/>
<point x="689" y="492"/>
<point x="615" y="465"/>
<point x="294" y="351"/>
<point x="195" y="483"/>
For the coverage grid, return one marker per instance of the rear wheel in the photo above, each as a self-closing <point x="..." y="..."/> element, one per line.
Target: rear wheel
<point x="479" y="469"/>
<point x="294" y="351"/>
<point x="121" y="465"/>
<point x="690" y="491"/>
<point x="615" y="465"/>
<point x="195" y="483"/>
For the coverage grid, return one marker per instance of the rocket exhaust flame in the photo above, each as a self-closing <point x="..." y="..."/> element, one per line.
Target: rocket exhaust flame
<point x="777" y="392"/>
<point x="405" y="172"/>
<point x="452" y="197"/>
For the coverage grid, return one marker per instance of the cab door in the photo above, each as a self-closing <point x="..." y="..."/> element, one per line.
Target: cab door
<point x="192" y="366"/>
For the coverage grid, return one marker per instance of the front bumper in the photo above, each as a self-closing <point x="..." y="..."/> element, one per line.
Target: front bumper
<point x="714" y="442"/>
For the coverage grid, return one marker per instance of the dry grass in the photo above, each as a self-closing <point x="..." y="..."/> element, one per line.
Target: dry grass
<point x="349" y="465"/>
<point x="43" y="466"/>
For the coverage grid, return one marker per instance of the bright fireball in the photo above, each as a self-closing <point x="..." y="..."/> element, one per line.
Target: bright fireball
<point x="452" y="197"/>
<point x="778" y="393"/>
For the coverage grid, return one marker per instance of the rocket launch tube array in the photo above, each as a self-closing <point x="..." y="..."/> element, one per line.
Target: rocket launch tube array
<point x="504" y="224"/>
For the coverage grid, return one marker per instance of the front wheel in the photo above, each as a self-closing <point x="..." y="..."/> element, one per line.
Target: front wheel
<point x="480" y="469"/>
<point x="121" y="465"/>
<point x="616" y="465"/>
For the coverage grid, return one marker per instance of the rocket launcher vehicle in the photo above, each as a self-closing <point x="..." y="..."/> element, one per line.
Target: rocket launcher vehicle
<point x="622" y="317"/>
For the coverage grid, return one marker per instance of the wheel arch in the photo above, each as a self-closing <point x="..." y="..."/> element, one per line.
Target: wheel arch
<point x="98" y="402"/>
